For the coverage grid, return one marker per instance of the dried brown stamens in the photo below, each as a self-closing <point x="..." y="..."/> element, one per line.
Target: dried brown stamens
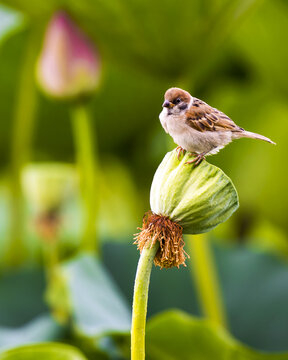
<point x="47" y="225"/>
<point x="170" y="236"/>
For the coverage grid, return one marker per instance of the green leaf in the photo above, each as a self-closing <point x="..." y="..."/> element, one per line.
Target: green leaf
<point x="25" y="284"/>
<point x="45" y="351"/>
<point x="175" y="335"/>
<point x="42" y="328"/>
<point x="24" y="316"/>
<point x="97" y="305"/>
<point x="256" y="35"/>
<point x="130" y="33"/>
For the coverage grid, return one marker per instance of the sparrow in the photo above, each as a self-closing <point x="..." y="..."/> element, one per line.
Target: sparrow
<point x="197" y="127"/>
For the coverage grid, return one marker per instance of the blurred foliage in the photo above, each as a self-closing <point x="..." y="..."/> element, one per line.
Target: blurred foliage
<point x="176" y="335"/>
<point x="224" y="52"/>
<point x="253" y="288"/>
<point x="254" y="291"/>
<point x="96" y="303"/>
<point x="42" y="328"/>
<point x="231" y="54"/>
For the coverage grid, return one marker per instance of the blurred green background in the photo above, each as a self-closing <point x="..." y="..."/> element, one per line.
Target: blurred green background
<point x="231" y="54"/>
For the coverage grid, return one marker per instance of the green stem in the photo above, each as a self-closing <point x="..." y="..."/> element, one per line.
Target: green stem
<point x="89" y="173"/>
<point x="22" y="133"/>
<point x="205" y="275"/>
<point x="140" y="300"/>
<point x="50" y="255"/>
<point x="55" y="290"/>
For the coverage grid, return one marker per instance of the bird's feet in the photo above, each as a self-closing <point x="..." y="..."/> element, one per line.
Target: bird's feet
<point x="180" y="151"/>
<point x="198" y="158"/>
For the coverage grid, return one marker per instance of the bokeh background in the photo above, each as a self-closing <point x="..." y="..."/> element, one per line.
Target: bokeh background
<point x="231" y="54"/>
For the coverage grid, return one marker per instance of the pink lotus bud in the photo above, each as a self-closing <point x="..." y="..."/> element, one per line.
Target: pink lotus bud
<point x="68" y="65"/>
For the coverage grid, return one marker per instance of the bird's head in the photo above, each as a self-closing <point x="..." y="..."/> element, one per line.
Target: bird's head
<point x="176" y="101"/>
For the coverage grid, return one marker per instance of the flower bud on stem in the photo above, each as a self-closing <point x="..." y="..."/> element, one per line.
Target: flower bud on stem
<point x="69" y="64"/>
<point x="69" y="68"/>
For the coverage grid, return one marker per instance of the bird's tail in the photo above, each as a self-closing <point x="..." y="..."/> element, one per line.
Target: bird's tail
<point x="252" y="135"/>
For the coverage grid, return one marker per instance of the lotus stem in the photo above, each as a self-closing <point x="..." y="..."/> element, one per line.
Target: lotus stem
<point x="22" y="133"/>
<point x="89" y="173"/>
<point x="140" y="300"/>
<point x="205" y="276"/>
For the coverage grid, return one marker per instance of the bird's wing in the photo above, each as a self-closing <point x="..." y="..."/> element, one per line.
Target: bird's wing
<point x="203" y="117"/>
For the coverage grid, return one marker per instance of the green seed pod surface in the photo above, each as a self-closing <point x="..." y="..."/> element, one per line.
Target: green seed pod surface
<point x="197" y="197"/>
<point x="47" y="185"/>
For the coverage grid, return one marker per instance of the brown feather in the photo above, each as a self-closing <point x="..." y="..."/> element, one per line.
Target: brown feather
<point x="203" y="117"/>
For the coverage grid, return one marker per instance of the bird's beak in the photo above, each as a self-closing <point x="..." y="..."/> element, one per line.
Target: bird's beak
<point x="168" y="104"/>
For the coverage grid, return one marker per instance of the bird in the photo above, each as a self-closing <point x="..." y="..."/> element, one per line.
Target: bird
<point x="197" y="127"/>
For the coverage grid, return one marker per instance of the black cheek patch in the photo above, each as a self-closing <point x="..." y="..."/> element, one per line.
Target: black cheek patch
<point x="183" y="106"/>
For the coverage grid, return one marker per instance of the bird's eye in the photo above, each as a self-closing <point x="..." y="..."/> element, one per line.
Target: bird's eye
<point x="177" y="101"/>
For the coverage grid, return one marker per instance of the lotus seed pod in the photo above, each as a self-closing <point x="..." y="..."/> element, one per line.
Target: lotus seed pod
<point x="184" y="199"/>
<point x="47" y="185"/>
<point x="69" y="65"/>
<point x="196" y="197"/>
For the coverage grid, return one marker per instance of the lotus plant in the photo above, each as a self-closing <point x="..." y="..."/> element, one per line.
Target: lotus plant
<point x="69" y="68"/>
<point x="46" y="187"/>
<point x="184" y="200"/>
